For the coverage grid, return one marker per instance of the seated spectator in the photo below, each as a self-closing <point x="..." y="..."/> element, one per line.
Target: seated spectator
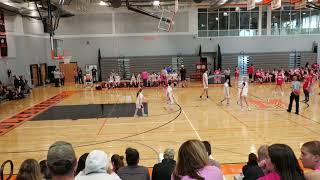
<point x="282" y="163"/>
<point x="117" y="162"/>
<point x="61" y="161"/>
<point x="252" y="171"/>
<point x="193" y="163"/>
<point x="212" y="162"/>
<point x="81" y="163"/>
<point x="29" y="170"/>
<point x="163" y="170"/>
<point x="44" y="170"/>
<point x="133" y="170"/>
<point x="310" y="157"/>
<point x="96" y="167"/>
<point x="262" y="156"/>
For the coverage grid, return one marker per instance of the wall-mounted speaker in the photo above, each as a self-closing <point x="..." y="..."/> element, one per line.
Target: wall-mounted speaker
<point x="197" y="1"/>
<point x="115" y="3"/>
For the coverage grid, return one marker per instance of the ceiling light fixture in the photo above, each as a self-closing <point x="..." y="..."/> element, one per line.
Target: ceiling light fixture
<point x="102" y="3"/>
<point x="156" y="3"/>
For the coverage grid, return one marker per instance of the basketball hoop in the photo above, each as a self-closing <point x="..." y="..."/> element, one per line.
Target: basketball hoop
<point x="167" y="18"/>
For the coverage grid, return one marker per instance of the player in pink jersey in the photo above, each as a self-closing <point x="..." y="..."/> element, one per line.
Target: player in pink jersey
<point x="279" y="81"/>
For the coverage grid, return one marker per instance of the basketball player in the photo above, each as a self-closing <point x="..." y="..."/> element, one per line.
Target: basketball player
<point x="133" y="81"/>
<point x="169" y="93"/>
<point x="205" y="84"/>
<point x="139" y="80"/>
<point x="236" y="73"/>
<point x="306" y="89"/>
<point x="139" y="103"/>
<point x="279" y="81"/>
<point x="226" y="92"/>
<point x="243" y="93"/>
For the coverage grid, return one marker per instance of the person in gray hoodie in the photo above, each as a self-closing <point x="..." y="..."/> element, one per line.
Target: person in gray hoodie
<point x="96" y="167"/>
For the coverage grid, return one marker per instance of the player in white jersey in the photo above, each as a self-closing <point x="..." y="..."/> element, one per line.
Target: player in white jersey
<point x="117" y="80"/>
<point x="139" y="103"/>
<point x="243" y="93"/>
<point x="169" y="93"/>
<point x="205" y="84"/>
<point x="133" y="80"/>
<point x="139" y="80"/>
<point x="226" y="92"/>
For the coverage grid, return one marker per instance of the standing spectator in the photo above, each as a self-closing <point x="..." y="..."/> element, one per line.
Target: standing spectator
<point x="193" y="163"/>
<point x="282" y="163"/>
<point x="163" y="170"/>
<point x="295" y="94"/>
<point x="95" y="169"/>
<point x="310" y="157"/>
<point x="75" y="75"/>
<point x="133" y="170"/>
<point x="56" y="75"/>
<point x="29" y="170"/>
<point x="94" y="74"/>
<point x="183" y="73"/>
<point x="145" y="76"/>
<point x="80" y="76"/>
<point x="211" y="161"/>
<point x="117" y="162"/>
<point x="16" y="82"/>
<point x="227" y="73"/>
<point x="251" y="170"/>
<point x="62" y="77"/>
<point x="251" y="73"/>
<point x="61" y="161"/>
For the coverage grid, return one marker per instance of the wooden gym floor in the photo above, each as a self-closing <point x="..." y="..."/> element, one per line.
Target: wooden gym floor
<point x="232" y="133"/>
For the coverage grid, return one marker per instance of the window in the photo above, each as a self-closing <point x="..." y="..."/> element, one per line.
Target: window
<point x="202" y="21"/>
<point x="244" y="20"/>
<point x="213" y="21"/>
<point x="223" y="20"/>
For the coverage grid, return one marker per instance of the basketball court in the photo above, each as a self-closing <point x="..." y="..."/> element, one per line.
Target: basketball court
<point x="143" y="35"/>
<point x="232" y="132"/>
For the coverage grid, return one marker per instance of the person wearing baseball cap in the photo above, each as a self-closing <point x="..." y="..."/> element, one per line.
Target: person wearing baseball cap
<point x="61" y="161"/>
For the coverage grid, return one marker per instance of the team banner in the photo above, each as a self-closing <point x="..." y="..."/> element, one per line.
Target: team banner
<point x="3" y="37"/>
<point x="275" y="4"/>
<point x="251" y="4"/>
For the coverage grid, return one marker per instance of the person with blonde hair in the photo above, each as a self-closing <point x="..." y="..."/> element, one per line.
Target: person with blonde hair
<point x="193" y="163"/>
<point x="29" y="170"/>
<point x="310" y="157"/>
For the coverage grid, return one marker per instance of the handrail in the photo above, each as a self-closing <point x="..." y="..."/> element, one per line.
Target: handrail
<point x="2" y="169"/>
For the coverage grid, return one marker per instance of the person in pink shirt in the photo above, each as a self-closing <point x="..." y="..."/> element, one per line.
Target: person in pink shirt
<point x="193" y="164"/>
<point x="282" y="164"/>
<point x="145" y="76"/>
<point x="310" y="157"/>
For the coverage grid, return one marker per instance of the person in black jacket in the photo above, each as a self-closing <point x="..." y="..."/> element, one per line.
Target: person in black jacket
<point x="163" y="170"/>
<point x="252" y="171"/>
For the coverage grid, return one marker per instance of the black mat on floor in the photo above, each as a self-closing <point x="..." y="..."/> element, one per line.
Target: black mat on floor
<point x="89" y="111"/>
